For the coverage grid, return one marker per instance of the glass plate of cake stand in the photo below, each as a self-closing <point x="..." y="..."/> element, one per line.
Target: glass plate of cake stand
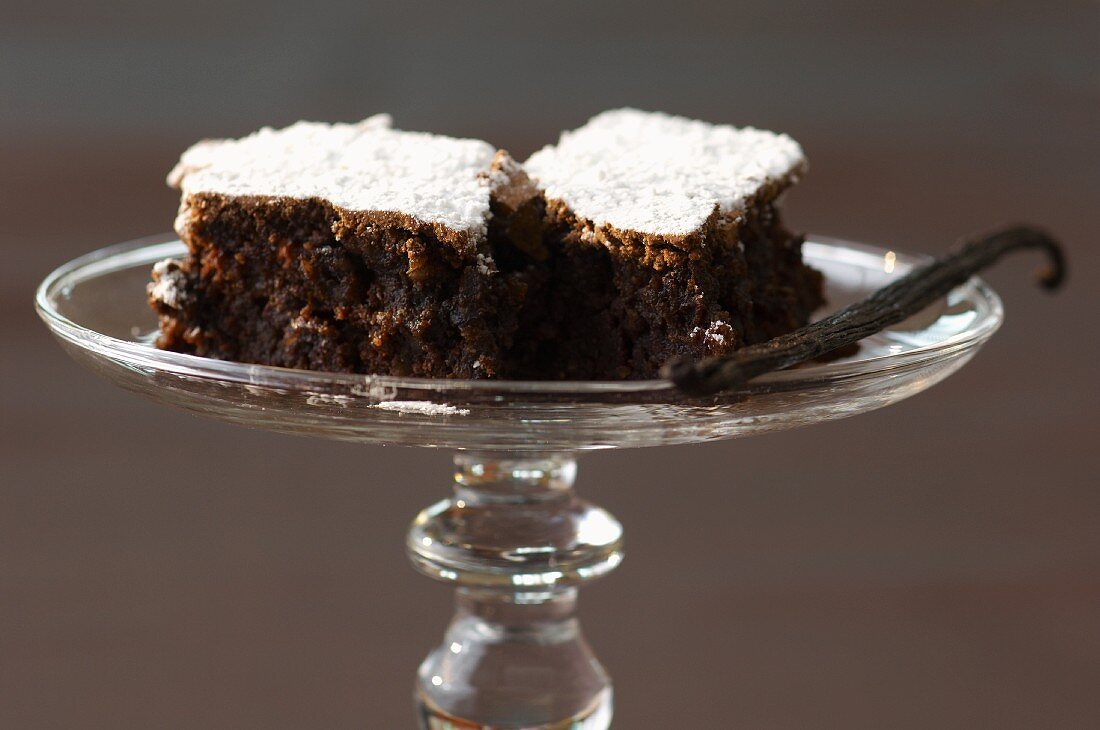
<point x="512" y="537"/>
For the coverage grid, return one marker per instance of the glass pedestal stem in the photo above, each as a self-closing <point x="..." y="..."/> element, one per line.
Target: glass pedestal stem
<point x="517" y="542"/>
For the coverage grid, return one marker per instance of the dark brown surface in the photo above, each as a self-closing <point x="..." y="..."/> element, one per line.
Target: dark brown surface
<point x="933" y="564"/>
<point x="623" y="307"/>
<point x="302" y="284"/>
<point x="305" y="284"/>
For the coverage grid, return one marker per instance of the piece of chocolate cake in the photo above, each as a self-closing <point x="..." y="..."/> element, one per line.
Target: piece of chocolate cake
<point x="341" y="247"/>
<point x="693" y="259"/>
<point x="360" y="248"/>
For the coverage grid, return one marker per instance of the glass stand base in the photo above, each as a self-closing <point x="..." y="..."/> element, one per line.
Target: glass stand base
<point x="517" y="542"/>
<point x="597" y="717"/>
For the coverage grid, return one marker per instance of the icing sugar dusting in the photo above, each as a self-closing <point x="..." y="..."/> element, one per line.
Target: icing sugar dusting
<point x="715" y="332"/>
<point x="660" y="174"/>
<point x="365" y="166"/>
<point x="165" y="287"/>
<point x="422" y="407"/>
<point x="167" y="292"/>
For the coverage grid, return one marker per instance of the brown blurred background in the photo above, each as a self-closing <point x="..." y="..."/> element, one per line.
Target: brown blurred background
<point x="932" y="565"/>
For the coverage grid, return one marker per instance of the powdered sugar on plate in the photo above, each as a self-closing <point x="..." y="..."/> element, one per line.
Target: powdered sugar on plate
<point x="421" y="407"/>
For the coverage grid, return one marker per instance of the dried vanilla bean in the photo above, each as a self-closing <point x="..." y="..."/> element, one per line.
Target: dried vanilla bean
<point x="887" y="306"/>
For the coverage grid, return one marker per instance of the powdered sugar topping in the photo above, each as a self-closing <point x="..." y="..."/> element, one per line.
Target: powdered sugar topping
<point x="365" y="166"/>
<point x="715" y="332"/>
<point x="165" y="286"/>
<point x="660" y="174"/>
<point x="421" y="407"/>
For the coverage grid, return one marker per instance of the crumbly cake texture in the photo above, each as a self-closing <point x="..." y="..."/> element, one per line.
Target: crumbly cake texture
<point x="692" y="257"/>
<point x="340" y="247"/>
<point x="360" y="248"/>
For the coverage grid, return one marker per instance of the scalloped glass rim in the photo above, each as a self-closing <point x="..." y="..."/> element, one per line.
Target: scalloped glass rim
<point x="153" y="248"/>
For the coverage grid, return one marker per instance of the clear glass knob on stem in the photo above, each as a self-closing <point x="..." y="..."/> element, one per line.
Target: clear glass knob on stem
<point x="517" y="542"/>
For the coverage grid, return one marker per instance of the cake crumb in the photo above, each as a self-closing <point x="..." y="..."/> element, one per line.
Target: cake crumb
<point x="165" y="287"/>
<point x="485" y="265"/>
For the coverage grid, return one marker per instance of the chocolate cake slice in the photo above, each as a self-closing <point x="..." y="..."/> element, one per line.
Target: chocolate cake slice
<point x="360" y="248"/>
<point x="344" y="247"/>
<point x="672" y="226"/>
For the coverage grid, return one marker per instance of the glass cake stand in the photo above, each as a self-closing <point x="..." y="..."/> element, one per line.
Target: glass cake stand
<point x="513" y="537"/>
